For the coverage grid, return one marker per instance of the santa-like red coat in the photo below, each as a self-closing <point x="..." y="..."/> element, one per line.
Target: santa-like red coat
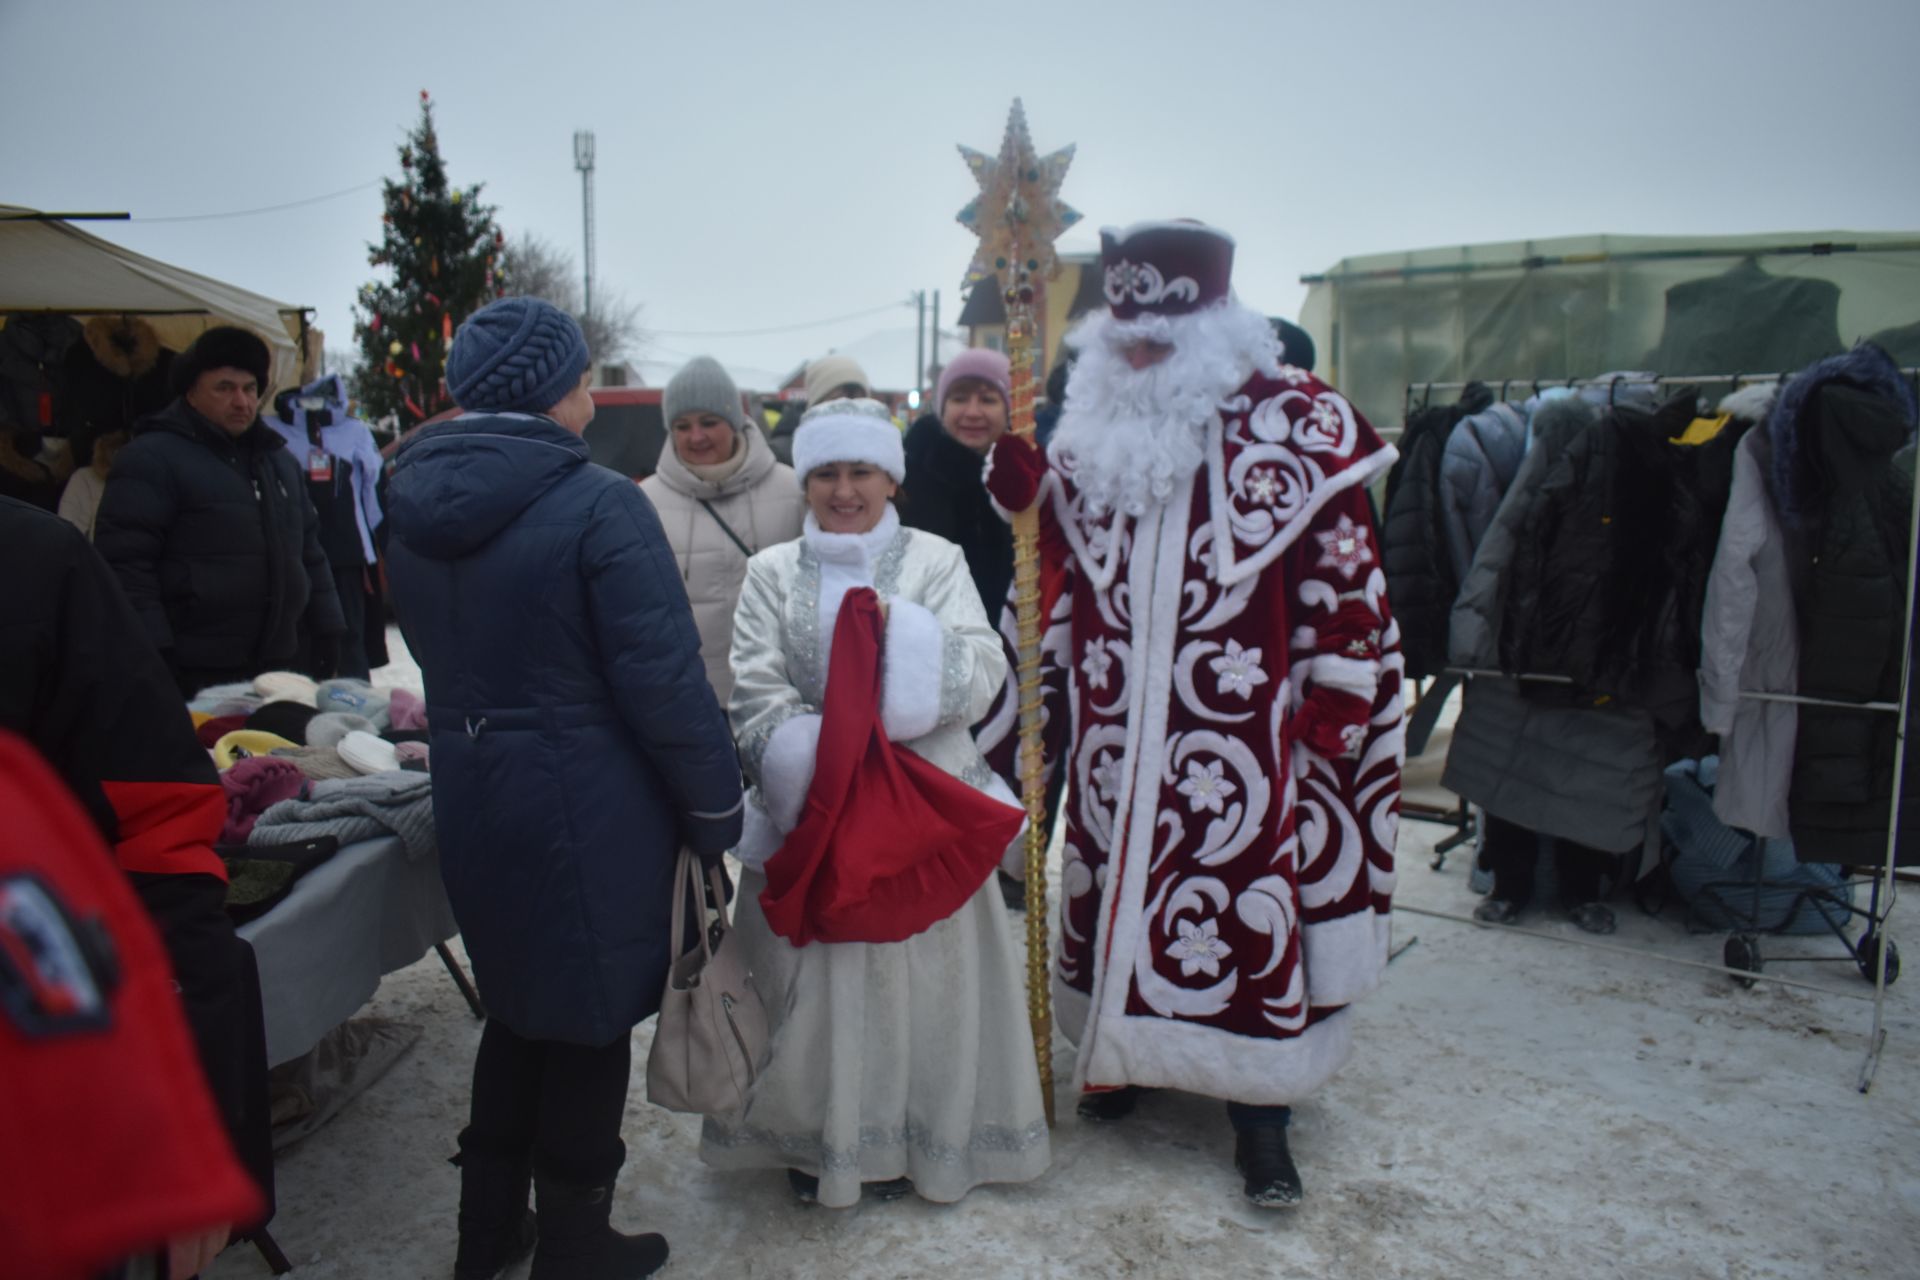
<point x="1226" y="887"/>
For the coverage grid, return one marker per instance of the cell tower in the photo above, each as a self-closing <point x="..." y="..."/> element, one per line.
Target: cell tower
<point x="583" y="161"/>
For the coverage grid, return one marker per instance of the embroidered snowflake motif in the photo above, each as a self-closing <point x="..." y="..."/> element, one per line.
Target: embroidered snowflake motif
<point x="1294" y="375"/>
<point x="1238" y="669"/>
<point x="1199" y="948"/>
<point x="1097" y="664"/>
<point x="1205" y="788"/>
<point x="1263" y="486"/>
<point x="1105" y="776"/>
<point x="1326" y="416"/>
<point x="1352" y="738"/>
<point x="1344" y="547"/>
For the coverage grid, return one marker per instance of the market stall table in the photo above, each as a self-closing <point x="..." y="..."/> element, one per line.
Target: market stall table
<point x="366" y="912"/>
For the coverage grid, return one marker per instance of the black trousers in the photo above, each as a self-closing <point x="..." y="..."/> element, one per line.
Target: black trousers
<point x="559" y="1103"/>
<point x="1513" y="852"/>
<point x="219" y="983"/>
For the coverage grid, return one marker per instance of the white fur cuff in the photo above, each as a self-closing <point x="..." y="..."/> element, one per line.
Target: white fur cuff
<point x="910" y="673"/>
<point x="786" y="769"/>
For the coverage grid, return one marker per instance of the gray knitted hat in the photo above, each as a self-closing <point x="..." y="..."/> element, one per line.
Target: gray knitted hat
<point x="702" y="386"/>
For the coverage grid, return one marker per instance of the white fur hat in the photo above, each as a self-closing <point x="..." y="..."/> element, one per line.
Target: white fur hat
<point x="849" y="431"/>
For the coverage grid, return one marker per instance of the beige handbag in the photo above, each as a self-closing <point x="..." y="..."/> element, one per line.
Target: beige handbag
<point x="711" y="1039"/>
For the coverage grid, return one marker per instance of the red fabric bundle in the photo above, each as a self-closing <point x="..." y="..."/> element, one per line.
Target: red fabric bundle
<point x="887" y="845"/>
<point x="109" y="1140"/>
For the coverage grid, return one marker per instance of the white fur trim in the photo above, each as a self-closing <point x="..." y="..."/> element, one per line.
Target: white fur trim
<point x="786" y="769"/>
<point x="1345" y="957"/>
<point x="1358" y="676"/>
<point x="759" y="838"/>
<point x="1752" y="403"/>
<point x="910" y="672"/>
<point x="1162" y="1053"/>
<point x="849" y="437"/>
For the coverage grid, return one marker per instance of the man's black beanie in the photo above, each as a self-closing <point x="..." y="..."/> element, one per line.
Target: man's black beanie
<point x="224" y="347"/>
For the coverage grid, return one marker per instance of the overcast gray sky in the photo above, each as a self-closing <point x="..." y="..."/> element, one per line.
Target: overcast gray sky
<point x="774" y="164"/>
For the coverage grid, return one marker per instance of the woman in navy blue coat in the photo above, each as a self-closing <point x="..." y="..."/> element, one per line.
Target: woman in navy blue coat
<point x="576" y="746"/>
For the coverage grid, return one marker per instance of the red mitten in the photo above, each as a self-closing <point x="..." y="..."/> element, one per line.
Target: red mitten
<point x="1013" y="472"/>
<point x="1332" y="723"/>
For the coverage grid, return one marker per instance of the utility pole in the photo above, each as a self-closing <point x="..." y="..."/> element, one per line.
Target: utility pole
<point x="936" y="336"/>
<point x="920" y="348"/>
<point x="583" y="161"/>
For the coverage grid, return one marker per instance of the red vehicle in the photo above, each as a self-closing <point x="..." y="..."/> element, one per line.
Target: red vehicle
<point x="626" y="434"/>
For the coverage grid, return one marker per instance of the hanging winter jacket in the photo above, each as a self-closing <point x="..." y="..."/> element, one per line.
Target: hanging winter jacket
<point x="1584" y="773"/>
<point x="1611" y="568"/>
<point x="1749" y="640"/>
<point x="1482" y="456"/>
<point x="1420" y="579"/>
<point x="1846" y="508"/>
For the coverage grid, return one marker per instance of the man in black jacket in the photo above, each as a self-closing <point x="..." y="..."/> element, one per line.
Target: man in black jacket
<point x="208" y="526"/>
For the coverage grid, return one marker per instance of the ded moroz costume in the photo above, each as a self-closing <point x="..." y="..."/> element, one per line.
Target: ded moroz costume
<point x="1221" y="678"/>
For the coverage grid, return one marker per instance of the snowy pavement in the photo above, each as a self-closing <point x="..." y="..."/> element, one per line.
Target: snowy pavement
<point x="1514" y="1107"/>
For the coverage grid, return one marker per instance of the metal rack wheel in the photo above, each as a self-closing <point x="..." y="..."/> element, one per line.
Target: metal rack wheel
<point x="1742" y="951"/>
<point x="1865" y="951"/>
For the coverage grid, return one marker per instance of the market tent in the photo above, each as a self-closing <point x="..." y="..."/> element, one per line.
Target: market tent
<point x="1582" y="306"/>
<point x="51" y="266"/>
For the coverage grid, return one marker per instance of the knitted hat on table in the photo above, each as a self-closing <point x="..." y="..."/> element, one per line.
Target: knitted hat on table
<point x="516" y="355"/>
<point x="702" y="386"/>
<point x="849" y="431"/>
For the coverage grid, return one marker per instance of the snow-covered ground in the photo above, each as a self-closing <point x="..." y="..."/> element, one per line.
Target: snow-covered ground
<point x="1515" y="1107"/>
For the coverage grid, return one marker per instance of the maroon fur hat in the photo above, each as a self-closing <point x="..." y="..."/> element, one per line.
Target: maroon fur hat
<point x="1165" y="268"/>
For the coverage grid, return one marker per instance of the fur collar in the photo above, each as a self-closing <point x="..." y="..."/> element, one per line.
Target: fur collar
<point x="1795" y="478"/>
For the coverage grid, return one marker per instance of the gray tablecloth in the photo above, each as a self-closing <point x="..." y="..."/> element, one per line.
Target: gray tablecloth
<point x="365" y="912"/>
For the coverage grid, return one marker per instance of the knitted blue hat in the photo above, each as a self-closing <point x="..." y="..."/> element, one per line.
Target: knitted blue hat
<point x="516" y="355"/>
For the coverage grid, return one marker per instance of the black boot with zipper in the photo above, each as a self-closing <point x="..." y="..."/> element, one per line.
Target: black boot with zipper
<point x="496" y="1227"/>
<point x="577" y="1239"/>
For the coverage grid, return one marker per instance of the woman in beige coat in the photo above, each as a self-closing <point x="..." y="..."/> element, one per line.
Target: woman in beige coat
<point x="721" y="497"/>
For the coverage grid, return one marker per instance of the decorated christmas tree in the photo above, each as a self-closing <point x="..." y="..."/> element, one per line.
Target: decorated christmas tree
<point x="439" y="255"/>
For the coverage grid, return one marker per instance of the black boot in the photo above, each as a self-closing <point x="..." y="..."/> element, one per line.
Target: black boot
<point x="1260" y="1154"/>
<point x="1110" y="1104"/>
<point x="577" y="1242"/>
<point x="496" y="1226"/>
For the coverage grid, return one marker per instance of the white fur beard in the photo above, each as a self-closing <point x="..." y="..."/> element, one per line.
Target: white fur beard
<point x="1131" y="438"/>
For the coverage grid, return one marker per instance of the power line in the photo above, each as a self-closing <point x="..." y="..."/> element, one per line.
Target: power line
<point x="272" y="208"/>
<point x="784" y="328"/>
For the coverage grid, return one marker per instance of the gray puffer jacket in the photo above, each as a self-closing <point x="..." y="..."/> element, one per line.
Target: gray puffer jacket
<point x="1482" y="457"/>
<point x="1588" y="774"/>
<point x="761" y="503"/>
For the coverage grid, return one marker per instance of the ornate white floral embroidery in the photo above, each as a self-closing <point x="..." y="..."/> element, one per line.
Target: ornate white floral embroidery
<point x="1199" y="948"/>
<point x="1239" y="670"/>
<point x="1344" y="547"/>
<point x="1096" y="664"/>
<point x="1294" y="375"/>
<point x="1105" y="776"/>
<point x="1205" y="787"/>
<point x="1143" y="282"/>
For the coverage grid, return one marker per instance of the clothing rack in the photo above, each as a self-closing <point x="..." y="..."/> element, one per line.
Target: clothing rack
<point x="1877" y="954"/>
<point x="1612" y="381"/>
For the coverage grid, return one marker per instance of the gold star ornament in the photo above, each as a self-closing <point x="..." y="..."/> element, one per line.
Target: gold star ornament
<point x="1018" y="213"/>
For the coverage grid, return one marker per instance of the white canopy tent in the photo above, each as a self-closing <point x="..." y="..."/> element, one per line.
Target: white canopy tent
<point x="48" y="265"/>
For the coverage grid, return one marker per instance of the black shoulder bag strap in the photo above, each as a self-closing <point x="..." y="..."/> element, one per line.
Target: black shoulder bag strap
<point x="726" y="528"/>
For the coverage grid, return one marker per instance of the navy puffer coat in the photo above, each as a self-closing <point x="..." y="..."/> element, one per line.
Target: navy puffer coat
<point x="576" y="741"/>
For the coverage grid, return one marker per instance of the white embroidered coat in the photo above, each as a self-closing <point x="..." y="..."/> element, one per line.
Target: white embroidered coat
<point x="943" y="662"/>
